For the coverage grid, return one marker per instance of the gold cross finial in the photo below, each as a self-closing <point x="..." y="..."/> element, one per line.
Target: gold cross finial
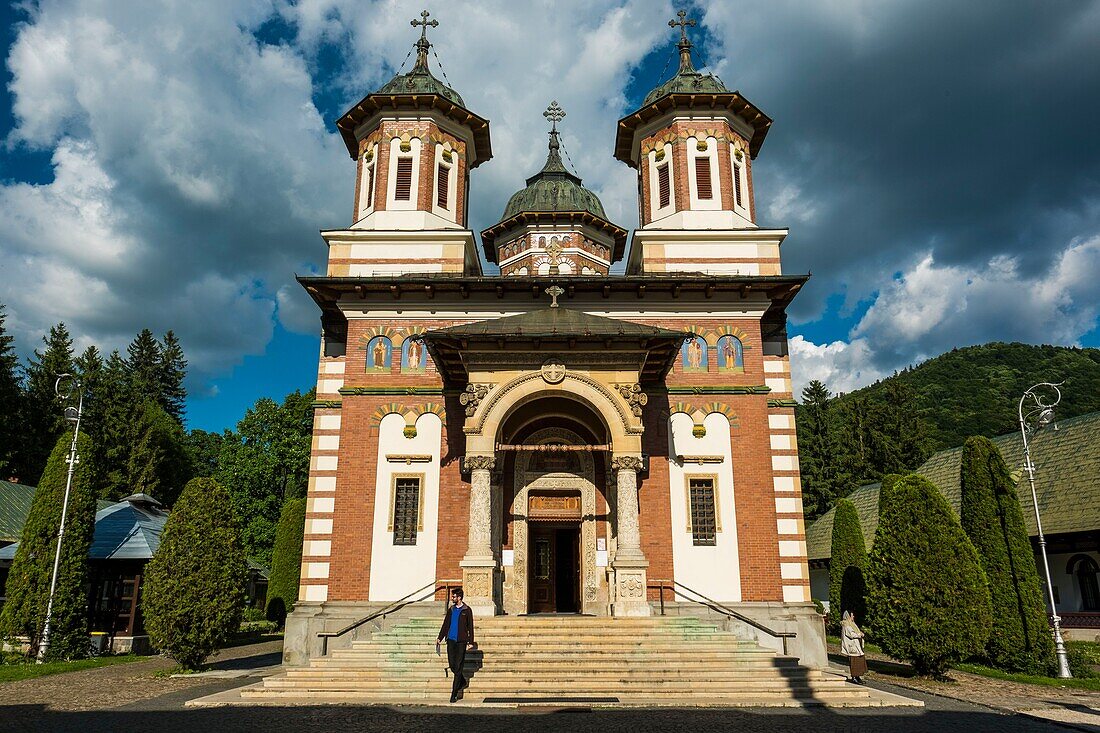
<point x="683" y="23"/>
<point x="555" y="114"/>
<point x="425" y="23"/>
<point x="554" y="291"/>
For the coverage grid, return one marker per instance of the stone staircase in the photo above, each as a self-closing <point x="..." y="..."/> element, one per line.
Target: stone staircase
<point x="568" y="659"/>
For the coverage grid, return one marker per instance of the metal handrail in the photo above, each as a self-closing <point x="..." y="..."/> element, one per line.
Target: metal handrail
<point x="435" y="586"/>
<point x="726" y="610"/>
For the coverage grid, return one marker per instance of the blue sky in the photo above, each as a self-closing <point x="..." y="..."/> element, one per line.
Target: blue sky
<point x="168" y="165"/>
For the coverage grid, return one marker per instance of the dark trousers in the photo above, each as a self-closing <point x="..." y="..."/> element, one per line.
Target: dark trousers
<point x="456" y="658"/>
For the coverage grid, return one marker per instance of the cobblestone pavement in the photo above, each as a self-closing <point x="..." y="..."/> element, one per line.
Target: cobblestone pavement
<point x="134" y="697"/>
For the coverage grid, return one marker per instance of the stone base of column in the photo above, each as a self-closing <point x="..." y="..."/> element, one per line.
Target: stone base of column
<point x="630" y="588"/>
<point x="478" y="576"/>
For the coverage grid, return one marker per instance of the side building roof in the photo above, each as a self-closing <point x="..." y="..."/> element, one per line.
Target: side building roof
<point x="1067" y="483"/>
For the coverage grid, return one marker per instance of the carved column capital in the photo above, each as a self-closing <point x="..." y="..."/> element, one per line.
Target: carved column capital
<point x="479" y="463"/>
<point x="627" y="463"/>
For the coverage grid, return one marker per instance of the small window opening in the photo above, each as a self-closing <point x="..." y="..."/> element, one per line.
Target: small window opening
<point x="406" y="510"/>
<point x="737" y="185"/>
<point x="403" y="189"/>
<point x="443" y="178"/>
<point x="702" y="178"/>
<point x="664" y="188"/>
<point x="701" y="500"/>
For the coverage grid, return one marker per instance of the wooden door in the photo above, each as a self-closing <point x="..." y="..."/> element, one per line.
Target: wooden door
<point x="542" y="570"/>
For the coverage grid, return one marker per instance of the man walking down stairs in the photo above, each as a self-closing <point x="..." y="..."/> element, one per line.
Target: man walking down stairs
<point x="458" y="630"/>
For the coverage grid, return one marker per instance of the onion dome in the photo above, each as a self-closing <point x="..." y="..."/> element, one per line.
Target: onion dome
<point x="420" y="80"/>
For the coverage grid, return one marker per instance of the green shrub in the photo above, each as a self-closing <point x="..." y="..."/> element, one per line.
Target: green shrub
<point x="1084" y="659"/>
<point x="28" y="588"/>
<point x="847" y="565"/>
<point x="286" y="561"/>
<point x="194" y="585"/>
<point x="251" y="613"/>
<point x="1021" y="640"/>
<point x="927" y="597"/>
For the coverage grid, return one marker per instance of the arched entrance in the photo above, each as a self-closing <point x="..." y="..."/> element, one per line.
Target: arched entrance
<point x="555" y="520"/>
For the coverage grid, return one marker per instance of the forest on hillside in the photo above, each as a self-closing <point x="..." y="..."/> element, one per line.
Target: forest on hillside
<point x="893" y="425"/>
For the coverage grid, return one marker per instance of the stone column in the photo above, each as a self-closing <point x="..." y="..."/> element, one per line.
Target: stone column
<point x="479" y="565"/>
<point x="630" y="563"/>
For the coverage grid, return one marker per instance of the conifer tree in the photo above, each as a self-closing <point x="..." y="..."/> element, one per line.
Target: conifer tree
<point x="927" y="597"/>
<point x="847" y="565"/>
<point x="11" y="404"/>
<point x="194" y="585"/>
<point x="991" y="515"/>
<point x="286" y="560"/>
<point x="157" y="463"/>
<point x="43" y="421"/>
<point x="815" y="455"/>
<point x="143" y="365"/>
<point x="171" y="372"/>
<point x="115" y="434"/>
<point x="24" y="613"/>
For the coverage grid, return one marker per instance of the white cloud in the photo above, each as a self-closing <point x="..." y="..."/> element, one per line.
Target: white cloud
<point x="933" y="308"/>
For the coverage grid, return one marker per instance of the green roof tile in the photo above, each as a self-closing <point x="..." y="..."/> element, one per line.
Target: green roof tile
<point x="1067" y="483"/>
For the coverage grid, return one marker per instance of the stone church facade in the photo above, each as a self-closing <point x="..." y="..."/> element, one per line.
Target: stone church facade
<point x="555" y="438"/>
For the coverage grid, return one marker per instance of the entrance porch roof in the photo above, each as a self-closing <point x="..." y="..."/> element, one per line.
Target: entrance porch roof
<point x="555" y="330"/>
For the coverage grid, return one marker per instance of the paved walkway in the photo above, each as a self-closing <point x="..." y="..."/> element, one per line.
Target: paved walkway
<point x="1081" y="708"/>
<point x="142" y="697"/>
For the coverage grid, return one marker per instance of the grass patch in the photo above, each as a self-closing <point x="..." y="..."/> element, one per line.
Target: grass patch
<point x="997" y="674"/>
<point x="30" y="670"/>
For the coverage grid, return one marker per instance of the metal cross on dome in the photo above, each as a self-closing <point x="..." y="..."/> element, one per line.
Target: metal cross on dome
<point x="684" y="23"/>
<point x="555" y="114"/>
<point x="424" y="22"/>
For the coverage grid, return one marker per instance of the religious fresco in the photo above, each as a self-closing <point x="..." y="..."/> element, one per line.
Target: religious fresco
<point x="693" y="355"/>
<point x="413" y="356"/>
<point x="379" y="352"/>
<point x="731" y="354"/>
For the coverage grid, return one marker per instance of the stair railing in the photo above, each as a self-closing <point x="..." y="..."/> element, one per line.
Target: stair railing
<point x="421" y="594"/>
<point x="716" y="606"/>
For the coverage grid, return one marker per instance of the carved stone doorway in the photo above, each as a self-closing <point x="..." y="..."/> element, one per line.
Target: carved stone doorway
<point x="547" y="494"/>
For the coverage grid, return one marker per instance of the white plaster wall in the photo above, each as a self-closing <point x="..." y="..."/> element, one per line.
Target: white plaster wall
<point x="654" y="188"/>
<point x="397" y="570"/>
<point x="370" y="171"/>
<point x="819" y="585"/>
<point x="451" y="212"/>
<point x="391" y="175"/>
<point x="714" y="571"/>
<point x="740" y="169"/>
<point x="1068" y="592"/>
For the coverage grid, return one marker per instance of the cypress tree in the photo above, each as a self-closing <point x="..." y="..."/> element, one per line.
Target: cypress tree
<point x="927" y="596"/>
<point x="847" y="565"/>
<point x="24" y="613"/>
<point x="194" y="585"/>
<point x="286" y="560"/>
<point x="992" y="518"/>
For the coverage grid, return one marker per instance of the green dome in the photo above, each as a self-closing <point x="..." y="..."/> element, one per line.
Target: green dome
<point x="553" y="189"/>
<point x="687" y="80"/>
<point x="420" y="80"/>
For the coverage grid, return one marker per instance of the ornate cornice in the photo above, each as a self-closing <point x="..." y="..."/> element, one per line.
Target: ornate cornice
<point x="782" y="403"/>
<point x="326" y="404"/>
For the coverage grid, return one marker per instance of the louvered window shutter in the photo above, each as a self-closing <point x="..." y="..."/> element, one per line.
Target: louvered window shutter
<point x="663" y="187"/>
<point x="737" y="184"/>
<point x="443" y="180"/>
<point x="403" y="188"/>
<point x="702" y="178"/>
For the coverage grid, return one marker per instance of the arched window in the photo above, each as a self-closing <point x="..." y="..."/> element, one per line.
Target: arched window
<point x="1084" y="571"/>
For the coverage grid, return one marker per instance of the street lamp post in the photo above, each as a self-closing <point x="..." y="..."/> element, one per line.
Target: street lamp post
<point x="1040" y="413"/>
<point x="72" y="414"/>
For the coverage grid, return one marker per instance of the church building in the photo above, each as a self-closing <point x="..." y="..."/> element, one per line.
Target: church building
<point x="553" y="437"/>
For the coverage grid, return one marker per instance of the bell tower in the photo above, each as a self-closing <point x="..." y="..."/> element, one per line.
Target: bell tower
<point x="414" y="144"/>
<point x="692" y="143"/>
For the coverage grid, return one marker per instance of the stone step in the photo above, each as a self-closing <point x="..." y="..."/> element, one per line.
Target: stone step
<point x="564" y="688"/>
<point x="751" y="699"/>
<point x="546" y="668"/>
